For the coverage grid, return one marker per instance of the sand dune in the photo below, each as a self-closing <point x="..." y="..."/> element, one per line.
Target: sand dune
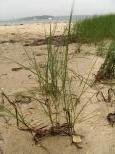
<point x="99" y="136"/>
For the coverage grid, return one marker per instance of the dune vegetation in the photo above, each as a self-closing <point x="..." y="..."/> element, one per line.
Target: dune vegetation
<point x="94" y="29"/>
<point x="62" y="93"/>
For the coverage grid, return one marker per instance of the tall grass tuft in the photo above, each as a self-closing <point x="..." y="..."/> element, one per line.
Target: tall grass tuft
<point x="56" y="94"/>
<point x="107" y="70"/>
<point x="94" y="29"/>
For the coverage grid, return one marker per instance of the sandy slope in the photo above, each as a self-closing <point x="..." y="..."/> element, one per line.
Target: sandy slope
<point x="99" y="137"/>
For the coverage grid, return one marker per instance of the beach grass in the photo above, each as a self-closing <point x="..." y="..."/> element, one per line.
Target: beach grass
<point x="58" y="102"/>
<point x="55" y="86"/>
<point x="107" y="69"/>
<point x="94" y="29"/>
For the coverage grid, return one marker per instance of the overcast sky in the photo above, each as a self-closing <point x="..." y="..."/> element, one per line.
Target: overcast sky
<point x="21" y="8"/>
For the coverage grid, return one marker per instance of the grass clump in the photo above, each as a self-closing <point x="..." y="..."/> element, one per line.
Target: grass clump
<point x="95" y="29"/>
<point x="56" y="84"/>
<point x="107" y="70"/>
<point x="56" y="95"/>
<point x="102" y="48"/>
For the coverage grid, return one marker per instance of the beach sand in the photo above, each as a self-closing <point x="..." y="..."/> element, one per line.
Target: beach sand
<point x="99" y="136"/>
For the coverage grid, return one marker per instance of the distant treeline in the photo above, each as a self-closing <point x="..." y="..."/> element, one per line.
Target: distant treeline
<point x="44" y="18"/>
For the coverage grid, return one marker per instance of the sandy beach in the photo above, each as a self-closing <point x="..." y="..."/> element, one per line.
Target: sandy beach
<point x="98" y="135"/>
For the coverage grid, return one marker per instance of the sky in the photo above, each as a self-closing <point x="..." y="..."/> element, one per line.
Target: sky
<point x="21" y="8"/>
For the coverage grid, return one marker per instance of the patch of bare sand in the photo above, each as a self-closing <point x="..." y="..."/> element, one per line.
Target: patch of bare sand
<point x="28" y="32"/>
<point x="99" y="137"/>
